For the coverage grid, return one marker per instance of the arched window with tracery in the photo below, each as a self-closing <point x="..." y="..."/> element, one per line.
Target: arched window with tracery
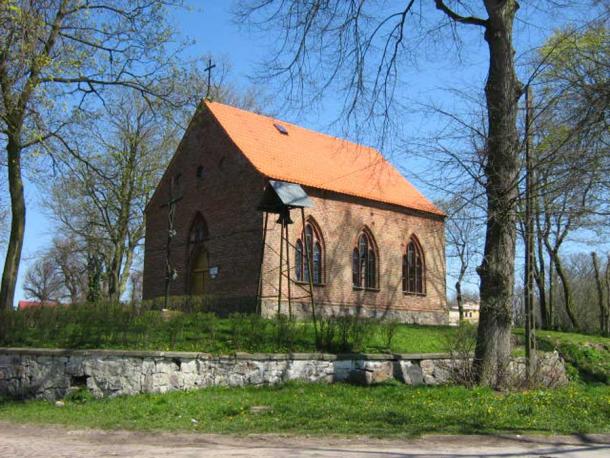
<point x="311" y="243"/>
<point x="414" y="269"/>
<point x="365" y="262"/>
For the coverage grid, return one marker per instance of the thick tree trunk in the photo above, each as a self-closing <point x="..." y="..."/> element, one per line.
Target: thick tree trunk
<point x="126" y="271"/>
<point x="600" y="294"/>
<point x="540" y="271"/>
<point x="539" y="276"/>
<point x="551" y="303"/>
<point x="567" y="290"/>
<point x="15" y="244"/>
<point x="119" y="273"/>
<point x="606" y="330"/>
<point x="94" y="275"/>
<point x="114" y="273"/>
<point x="502" y="91"/>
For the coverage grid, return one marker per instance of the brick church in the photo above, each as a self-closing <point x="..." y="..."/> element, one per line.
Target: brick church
<point x="375" y="244"/>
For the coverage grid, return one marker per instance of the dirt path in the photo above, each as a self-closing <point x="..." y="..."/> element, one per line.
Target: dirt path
<point x="48" y="441"/>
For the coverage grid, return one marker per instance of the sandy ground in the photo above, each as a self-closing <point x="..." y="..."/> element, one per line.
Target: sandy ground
<point x="49" y="441"/>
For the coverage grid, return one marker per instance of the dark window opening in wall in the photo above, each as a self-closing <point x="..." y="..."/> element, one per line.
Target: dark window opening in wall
<point x="364" y="262"/>
<point x="413" y="269"/>
<point x="317" y="264"/>
<point x="310" y="243"/>
<point x="199" y="173"/>
<point x="298" y="260"/>
<point x="199" y="230"/>
<point x="356" y="278"/>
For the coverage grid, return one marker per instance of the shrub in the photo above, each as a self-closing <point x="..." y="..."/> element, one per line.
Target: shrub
<point x="388" y="330"/>
<point x="248" y="331"/>
<point x="344" y="333"/>
<point x="286" y="331"/>
<point x="79" y="396"/>
<point x="460" y="346"/>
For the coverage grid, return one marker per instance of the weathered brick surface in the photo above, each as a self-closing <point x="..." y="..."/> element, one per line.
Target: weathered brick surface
<point x="341" y="219"/>
<point x="227" y="197"/>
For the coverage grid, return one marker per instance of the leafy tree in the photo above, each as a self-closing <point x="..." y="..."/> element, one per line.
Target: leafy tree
<point x="572" y="162"/>
<point x="464" y="234"/>
<point x="43" y="282"/>
<point x="107" y="177"/>
<point x="603" y="302"/>
<point x="68" y="259"/>
<point x="57" y="55"/>
<point x="363" y="44"/>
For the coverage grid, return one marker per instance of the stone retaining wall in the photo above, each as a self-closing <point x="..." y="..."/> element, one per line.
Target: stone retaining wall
<point x="53" y="373"/>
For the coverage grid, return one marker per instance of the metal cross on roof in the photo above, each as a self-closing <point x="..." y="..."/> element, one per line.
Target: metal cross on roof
<point x="209" y="70"/>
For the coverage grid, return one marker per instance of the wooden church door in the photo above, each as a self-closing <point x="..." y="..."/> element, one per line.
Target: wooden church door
<point x="198" y="256"/>
<point x="199" y="272"/>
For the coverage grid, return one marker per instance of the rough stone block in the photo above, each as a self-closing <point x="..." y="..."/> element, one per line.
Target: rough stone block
<point x="371" y="372"/>
<point x="408" y="372"/>
<point x="343" y="369"/>
<point x="435" y="372"/>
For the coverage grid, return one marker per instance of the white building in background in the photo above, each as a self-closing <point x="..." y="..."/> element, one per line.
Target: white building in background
<point x="471" y="313"/>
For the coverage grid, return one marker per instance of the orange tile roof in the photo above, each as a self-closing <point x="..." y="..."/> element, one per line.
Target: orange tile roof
<point x="314" y="159"/>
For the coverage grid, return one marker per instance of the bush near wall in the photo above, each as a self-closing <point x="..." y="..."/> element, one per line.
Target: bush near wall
<point x="190" y="326"/>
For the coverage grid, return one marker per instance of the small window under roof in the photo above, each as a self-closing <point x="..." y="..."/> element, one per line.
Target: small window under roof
<point x="281" y="129"/>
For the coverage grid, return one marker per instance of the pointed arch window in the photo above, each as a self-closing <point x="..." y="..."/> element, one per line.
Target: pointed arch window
<point x="310" y="243"/>
<point x="199" y="230"/>
<point x="413" y="269"/>
<point x="365" y="262"/>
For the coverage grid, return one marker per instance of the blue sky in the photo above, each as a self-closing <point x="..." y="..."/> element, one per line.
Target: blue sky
<point x="210" y="24"/>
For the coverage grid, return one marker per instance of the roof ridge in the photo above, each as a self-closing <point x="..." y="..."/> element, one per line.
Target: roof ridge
<point x="298" y="126"/>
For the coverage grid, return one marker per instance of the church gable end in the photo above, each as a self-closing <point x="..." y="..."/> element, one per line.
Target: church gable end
<point x="210" y="180"/>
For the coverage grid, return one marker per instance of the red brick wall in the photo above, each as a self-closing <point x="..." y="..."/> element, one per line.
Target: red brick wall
<point x="226" y="196"/>
<point x="340" y="219"/>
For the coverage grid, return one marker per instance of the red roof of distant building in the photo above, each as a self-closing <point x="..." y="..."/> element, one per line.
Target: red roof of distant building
<point x="29" y="304"/>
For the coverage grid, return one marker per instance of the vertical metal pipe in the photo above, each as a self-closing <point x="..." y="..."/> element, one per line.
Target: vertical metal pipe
<point x="288" y="277"/>
<point x="281" y="274"/>
<point x="530" y="337"/>
<point x="259" y="292"/>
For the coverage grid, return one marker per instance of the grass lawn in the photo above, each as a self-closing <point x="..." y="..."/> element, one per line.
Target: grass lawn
<point x="589" y="355"/>
<point x="115" y="326"/>
<point x="384" y="410"/>
<point x="119" y="327"/>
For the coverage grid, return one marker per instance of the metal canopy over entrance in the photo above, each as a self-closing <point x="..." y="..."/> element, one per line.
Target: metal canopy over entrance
<point x="279" y="197"/>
